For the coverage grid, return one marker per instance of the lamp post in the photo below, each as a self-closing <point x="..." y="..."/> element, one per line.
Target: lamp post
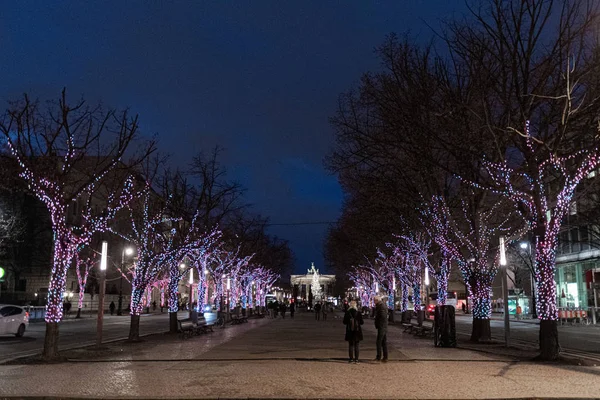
<point x="191" y="282"/>
<point x="126" y="251"/>
<point x="227" y="300"/>
<point x="205" y="283"/>
<point x="505" y="291"/>
<point x="427" y="292"/>
<point x="526" y="245"/>
<point x="103" y="261"/>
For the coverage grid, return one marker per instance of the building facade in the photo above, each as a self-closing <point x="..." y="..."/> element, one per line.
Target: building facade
<point x="301" y="284"/>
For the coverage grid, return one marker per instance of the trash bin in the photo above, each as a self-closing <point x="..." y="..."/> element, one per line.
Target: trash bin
<point x="444" y="327"/>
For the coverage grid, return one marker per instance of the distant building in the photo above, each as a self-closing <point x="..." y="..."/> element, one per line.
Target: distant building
<point x="301" y="284"/>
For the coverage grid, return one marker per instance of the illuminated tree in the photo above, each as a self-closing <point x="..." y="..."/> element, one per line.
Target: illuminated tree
<point x="152" y="233"/>
<point x="69" y="160"/>
<point x="469" y="235"/>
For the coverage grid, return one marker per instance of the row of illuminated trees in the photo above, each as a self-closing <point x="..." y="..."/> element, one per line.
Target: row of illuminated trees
<point x="492" y="131"/>
<point x="79" y="154"/>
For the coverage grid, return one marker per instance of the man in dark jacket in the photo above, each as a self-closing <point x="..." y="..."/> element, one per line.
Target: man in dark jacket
<point x="381" y="324"/>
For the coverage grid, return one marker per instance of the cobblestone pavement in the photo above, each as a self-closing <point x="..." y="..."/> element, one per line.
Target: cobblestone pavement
<point x="300" y="358"/>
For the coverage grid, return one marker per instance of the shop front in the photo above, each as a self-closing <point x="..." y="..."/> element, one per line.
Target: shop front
<point x="577" y="284"/>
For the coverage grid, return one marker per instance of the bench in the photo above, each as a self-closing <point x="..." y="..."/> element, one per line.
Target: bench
<point x="424" y="329"/>
<point x="238" y="319"/>
<point x="188" y="328"/>
<point x="203" y="327"/>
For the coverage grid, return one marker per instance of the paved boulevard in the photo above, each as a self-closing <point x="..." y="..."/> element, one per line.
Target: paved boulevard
<point x="76" y="333"/>
<point x="300" y="358"/>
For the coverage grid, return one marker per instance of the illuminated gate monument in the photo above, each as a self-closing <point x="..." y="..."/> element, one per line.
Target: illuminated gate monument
<point x="301" y="284"/>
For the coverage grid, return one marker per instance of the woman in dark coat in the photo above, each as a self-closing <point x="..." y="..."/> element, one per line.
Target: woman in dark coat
<point x="353" y="333"/>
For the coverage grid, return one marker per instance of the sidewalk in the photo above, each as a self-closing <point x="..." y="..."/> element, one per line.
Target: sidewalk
<point x="300" y="358"/>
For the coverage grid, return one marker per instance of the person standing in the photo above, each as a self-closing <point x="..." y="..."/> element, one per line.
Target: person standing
<point x="381" y="324"/>
<point x="111" y="307"/>
<point x="318" y="311"/>
<point x="282" y="308"/>
<point x="324" y="311"/>
<point x="292" y="309"/>
<point x="353" y="321"/>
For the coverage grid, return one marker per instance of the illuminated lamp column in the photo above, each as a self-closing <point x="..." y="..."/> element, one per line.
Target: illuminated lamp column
<point x="228" y="299"/>
<point x="427" y="292"/>
<point x="505" y="290"/>
<point x="103" y="261"/>
<point x="191" y="283"/>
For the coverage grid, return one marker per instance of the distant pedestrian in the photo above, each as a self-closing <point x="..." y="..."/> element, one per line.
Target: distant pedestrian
<point x="464" y="308"/>
<point x="324" y="310"/>
<point x="381" y="324"/>
<point x="282" y="308"/>
<point x="68" y="307"/>
<point x="292" y="309"/>
<point x="318" y="311"/>
<point x="154" y="305"/>
<point x="353" y="320"/>
<point x="112" y="307"/>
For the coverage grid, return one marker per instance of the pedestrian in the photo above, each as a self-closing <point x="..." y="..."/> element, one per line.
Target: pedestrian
<point x="318" y="311"/>
<point x="353" y="320"/>
<point x="324" y="310"/>
<point x="154" y="305"/>
<point x="292" y="309"/>
<point x="381" y="324"/>
<point x="282" y="308"/>
<point x="68" y="307"/>
<point x="464" y="308"/>
<point x="111" y="307"/>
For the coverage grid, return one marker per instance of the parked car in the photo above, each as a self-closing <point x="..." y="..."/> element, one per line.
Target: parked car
<point x="13" y="320"/>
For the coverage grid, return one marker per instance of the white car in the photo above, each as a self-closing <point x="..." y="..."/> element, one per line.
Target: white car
<point x="13" y="320"/>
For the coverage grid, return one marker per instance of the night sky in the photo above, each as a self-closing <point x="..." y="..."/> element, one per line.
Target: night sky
<point x="259" y="78"/>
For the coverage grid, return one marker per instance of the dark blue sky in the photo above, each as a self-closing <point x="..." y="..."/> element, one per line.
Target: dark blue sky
<point x="259" y="78"/>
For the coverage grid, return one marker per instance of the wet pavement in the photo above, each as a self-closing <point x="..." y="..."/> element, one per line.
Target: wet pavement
<point x="300" y="358"/>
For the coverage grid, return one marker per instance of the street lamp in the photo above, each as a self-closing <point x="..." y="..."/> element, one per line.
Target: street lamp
<point x="127" y="251"/>
<point x="505" y="290"/>
<point x="228" y="300"/>
<point x="103" y="262"/>
<point x="526" y="245"/>
<point x="427" y="292"/>
<point x="191" y="282"/>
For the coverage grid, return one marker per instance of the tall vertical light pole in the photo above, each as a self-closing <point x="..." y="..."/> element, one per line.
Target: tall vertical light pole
<point x="505" y="291"/>
<point x="126" y="251"/>
<point x="206" y="299"/>
<point x="228" y="299"/>
<point x="103" y="262"/>
<point x="524" y="246"/>
<point x="427" y="292"/>
<point x="191" y="282"/>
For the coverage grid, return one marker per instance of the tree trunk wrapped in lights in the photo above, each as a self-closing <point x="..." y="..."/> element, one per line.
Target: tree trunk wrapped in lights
<point x="441" y="277"/>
